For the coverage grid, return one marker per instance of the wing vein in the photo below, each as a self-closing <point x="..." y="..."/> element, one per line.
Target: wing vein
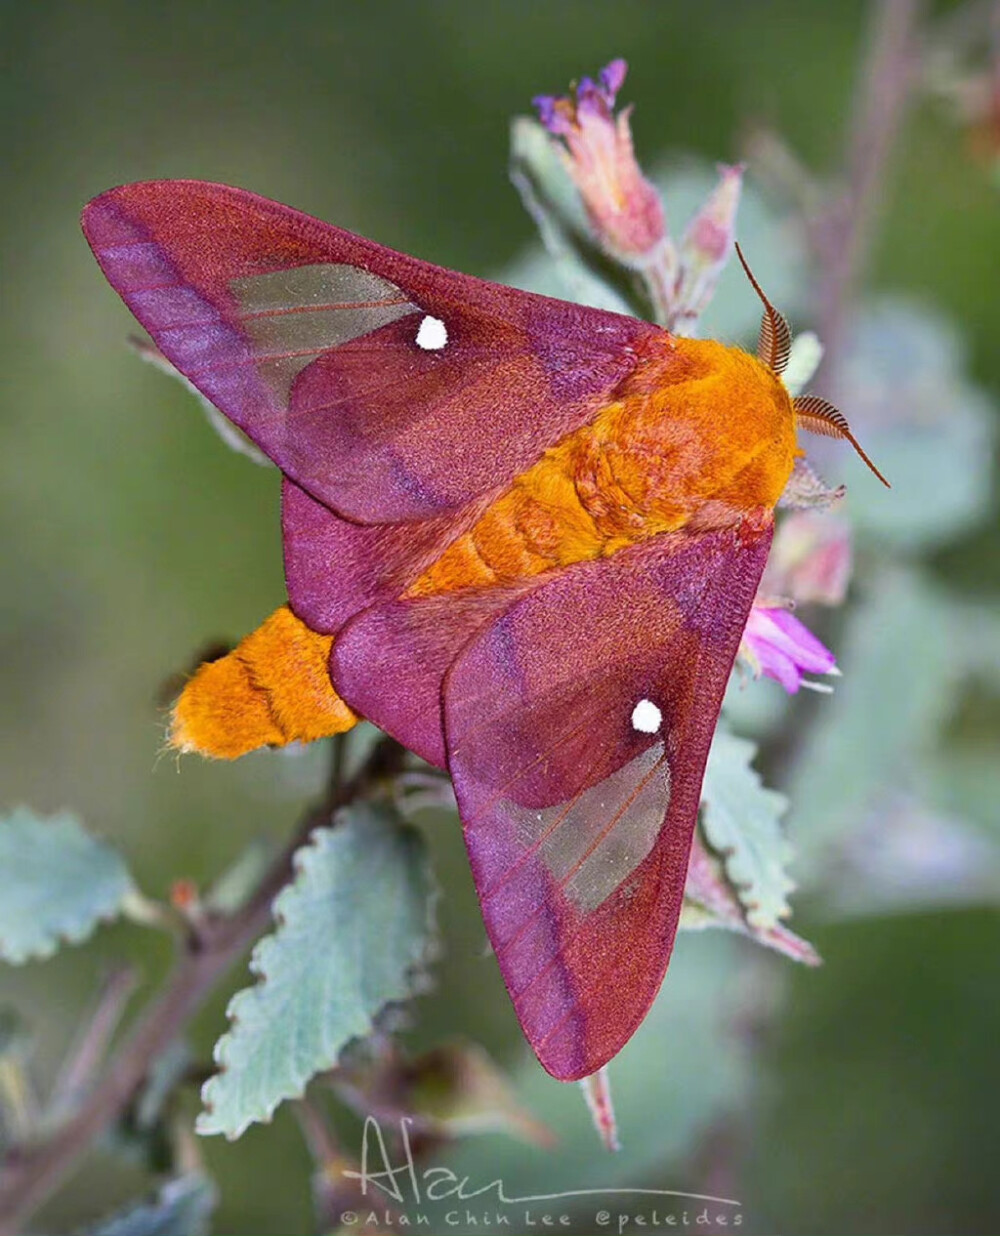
<point x="332" y="307"/>
<point x="564" y="880"/>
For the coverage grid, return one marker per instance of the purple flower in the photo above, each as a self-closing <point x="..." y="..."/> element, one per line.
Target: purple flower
<point x="623" y="207"/>
<point x="559" y="113"/>
<point x="777" y="644"/>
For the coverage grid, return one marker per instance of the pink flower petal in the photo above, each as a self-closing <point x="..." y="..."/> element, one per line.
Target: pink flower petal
<point x="792" y="637"/>
<point x="624" y="209"/>
<point x="783" y="648"/>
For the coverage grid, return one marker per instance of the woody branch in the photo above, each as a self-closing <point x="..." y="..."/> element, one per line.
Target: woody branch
<point x="33" y="1172"/>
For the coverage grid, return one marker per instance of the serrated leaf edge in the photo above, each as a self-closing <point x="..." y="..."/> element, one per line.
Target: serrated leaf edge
<point x="54" y="940"/>
<point x="729" y="855"/>
<point x="418" y="981"/>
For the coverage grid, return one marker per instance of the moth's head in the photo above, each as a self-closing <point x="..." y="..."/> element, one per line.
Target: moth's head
<point x="774" y="346"/>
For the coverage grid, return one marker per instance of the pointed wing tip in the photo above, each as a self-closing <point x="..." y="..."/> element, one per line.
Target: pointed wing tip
<point x="92" y="213"/>
<point x="577" y="1072"/>
<point x="573" y="1059"/>
<point x="104" y="210"/>
<point x="163" y="187"/>
<point x="116" y="194"/>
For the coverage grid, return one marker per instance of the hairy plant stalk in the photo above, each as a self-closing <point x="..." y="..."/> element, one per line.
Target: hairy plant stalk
<point x="842" y="235"/>
<point x="33" y="1172"/>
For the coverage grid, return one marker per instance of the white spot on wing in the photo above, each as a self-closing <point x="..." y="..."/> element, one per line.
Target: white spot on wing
<point x="432" y="335"/>
<point x="646" y="717"/>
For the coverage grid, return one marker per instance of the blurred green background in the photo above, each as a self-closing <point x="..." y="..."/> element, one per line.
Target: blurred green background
<point x="131" y="537"/>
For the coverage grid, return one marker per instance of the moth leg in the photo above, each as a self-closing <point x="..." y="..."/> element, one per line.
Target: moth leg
<point x="272" y="689"/>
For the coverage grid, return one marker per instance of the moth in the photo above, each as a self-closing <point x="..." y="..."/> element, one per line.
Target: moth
<point x="520" y="535"/>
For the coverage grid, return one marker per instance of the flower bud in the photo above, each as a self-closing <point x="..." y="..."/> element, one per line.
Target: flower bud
<point x="708" y="243"/>
<point x="623" y="207"/>
<point x="810" y="560"/>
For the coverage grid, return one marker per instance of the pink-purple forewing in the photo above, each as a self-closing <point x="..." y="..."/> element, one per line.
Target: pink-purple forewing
<point x="578" y="814"/>
<point x="309" y="339"/>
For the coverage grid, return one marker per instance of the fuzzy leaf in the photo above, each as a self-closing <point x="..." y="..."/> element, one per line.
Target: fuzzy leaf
<point x="903" y="657"/>
<point x="710" y="901"/>
<point x="929" y="429"/>
<point x="354" y="934"/>
<point x="741" y="822"/>
<point x="182" y="1207"/>
<point x="56" y="883"/>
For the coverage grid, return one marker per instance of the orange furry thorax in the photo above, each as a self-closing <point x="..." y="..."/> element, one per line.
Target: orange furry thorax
<point x="698" y="433"/>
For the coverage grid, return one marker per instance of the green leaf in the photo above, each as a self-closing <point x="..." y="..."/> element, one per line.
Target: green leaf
<point x="56" y="883"/>
<point x="354" y="934"/>
<point x="902" y="660"/>
<point x="741" y="822"/>
<point x="536" y="154"/>
<point x="930" y="430"/>
<point x="182" y="1207"/>
<point x="711" y="901"/>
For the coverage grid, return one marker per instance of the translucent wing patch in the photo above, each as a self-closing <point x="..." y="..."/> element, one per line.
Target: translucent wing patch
<point x="292" y="316"/>
<point x="578" y="819"/>
<point x="592" y="844"/>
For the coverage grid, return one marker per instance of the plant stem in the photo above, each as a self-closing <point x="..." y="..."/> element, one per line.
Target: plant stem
<point x="33" y="1172"/>
<point x="842" y="235"/>
<point x="842" y="238"/>
<point x="90" y="1049"/>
